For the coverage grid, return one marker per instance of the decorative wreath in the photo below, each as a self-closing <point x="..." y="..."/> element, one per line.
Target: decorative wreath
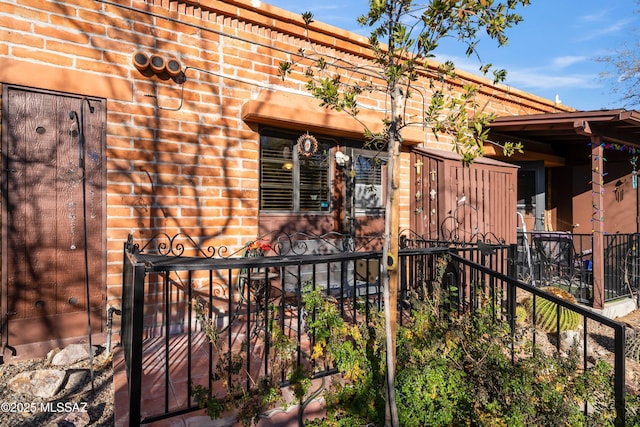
<point x="307" y="145"/>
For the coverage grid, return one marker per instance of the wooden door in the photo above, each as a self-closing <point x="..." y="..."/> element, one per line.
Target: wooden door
<point x="426" y="193"/>
<point x="46" y="202"/>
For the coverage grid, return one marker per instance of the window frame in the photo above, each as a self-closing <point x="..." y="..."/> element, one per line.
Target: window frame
<point x="296" y="186"/>
<point x="355" y="153"/>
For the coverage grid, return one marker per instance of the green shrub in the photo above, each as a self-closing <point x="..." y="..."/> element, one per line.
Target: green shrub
<point x="458" y="372"/>
<point x="451" y="370"/>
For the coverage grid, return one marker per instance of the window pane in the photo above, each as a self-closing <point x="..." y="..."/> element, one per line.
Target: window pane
<point x="314" y="180"/>
<point x="276" y="174"/>
<point x="526" y="188"/>
<point x="291" y="181"/>
<point x="369" y="168"/>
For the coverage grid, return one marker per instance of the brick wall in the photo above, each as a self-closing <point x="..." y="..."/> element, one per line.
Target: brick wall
<point x="179" y="155"/>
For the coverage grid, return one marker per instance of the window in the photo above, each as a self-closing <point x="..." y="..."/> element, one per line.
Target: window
<point x="369" y="167"/>
<point x="291" y="181"/>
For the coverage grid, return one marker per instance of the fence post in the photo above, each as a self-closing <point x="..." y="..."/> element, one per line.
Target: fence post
<point x="133" y="278"/>
<point x="619" y="375"/>
<point x="512" y="261"/>
<point x="511" y="289"/>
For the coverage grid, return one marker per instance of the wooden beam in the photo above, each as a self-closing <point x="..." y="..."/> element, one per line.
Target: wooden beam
<point x="597" y="220"/>
<point x="582" y="127"/>
<point x="550" y="160"/>
<point x="620" y="135"/>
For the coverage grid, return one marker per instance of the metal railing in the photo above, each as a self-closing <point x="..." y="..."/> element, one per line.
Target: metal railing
<point x="507" y="293"/>
<point x="566" y="259"/>
<point x="243" y="296"/>
<point x="621" y="265"/>
<point x="169" y="350"/>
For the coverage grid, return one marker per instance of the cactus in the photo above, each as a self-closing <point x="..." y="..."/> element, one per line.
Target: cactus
<point x="547" y="311"/>
<point x="521" y="315"/>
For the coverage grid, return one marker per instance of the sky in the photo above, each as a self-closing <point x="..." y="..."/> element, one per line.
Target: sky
<point x="552" y="53"/>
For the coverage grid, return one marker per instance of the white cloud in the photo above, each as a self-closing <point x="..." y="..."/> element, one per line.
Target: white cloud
<point x="537" y="78"/>
<point x="546" y="76"/>
<point x="567" y="61"/>
<point x="599" y="16"/>
<point x="597" y="31"/>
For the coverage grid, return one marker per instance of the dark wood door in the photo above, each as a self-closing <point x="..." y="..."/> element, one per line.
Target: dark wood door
<point x="45" y="204"/>
<point x="426" y="193"/>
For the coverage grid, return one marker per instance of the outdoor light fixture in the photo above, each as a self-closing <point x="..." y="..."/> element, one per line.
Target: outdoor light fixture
<point x="342" y="159"/>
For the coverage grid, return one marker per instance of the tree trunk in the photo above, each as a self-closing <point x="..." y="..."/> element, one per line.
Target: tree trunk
<point x="390" y="252"/>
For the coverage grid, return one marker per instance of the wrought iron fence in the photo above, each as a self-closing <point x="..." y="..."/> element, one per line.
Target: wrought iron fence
<point x="188" y="319"/>
<point x="508" y="293"/>
<point x="621" y="265"/>
<point x="566" y="260"/>
<point x="242" y="296"/>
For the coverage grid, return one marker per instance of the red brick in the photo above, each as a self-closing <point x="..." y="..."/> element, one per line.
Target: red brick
<point x="21" y="39"/>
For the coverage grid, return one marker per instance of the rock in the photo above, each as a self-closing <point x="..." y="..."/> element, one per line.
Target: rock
<point x="43" y="383"/>
<point x="72" y="419"/>
<point x="71" y="354"/>
<point x="75" y="380"/>
<point x="569" y="339"/>
<point x="51" y="354"/>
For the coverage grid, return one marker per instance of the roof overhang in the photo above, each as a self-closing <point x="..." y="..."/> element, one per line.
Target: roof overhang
<point x="295" y="111"/>
<point x="613" y="126"/>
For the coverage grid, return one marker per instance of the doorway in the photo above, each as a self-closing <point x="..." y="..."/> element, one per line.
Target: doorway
<point x="48" y="198"/>
<point x="531" y="195"/>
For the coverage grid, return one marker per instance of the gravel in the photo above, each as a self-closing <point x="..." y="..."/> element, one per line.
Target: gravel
<point x="84" y="405"/>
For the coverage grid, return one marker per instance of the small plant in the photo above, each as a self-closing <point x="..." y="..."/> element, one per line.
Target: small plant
<point x="257" y="248"/>
<point x="357" y="352"/>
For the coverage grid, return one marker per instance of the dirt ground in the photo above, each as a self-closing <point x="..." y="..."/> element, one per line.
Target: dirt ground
<point x="632" y="321"/>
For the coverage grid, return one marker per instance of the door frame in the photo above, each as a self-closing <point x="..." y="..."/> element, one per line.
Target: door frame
<point x="540" y="208"/>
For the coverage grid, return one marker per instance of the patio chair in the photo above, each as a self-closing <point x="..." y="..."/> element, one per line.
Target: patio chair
<point x="367" y="279"/>
<point x="559" y="263"/>
<point x="255" y="286"/>
<point x="554" y="255"/>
